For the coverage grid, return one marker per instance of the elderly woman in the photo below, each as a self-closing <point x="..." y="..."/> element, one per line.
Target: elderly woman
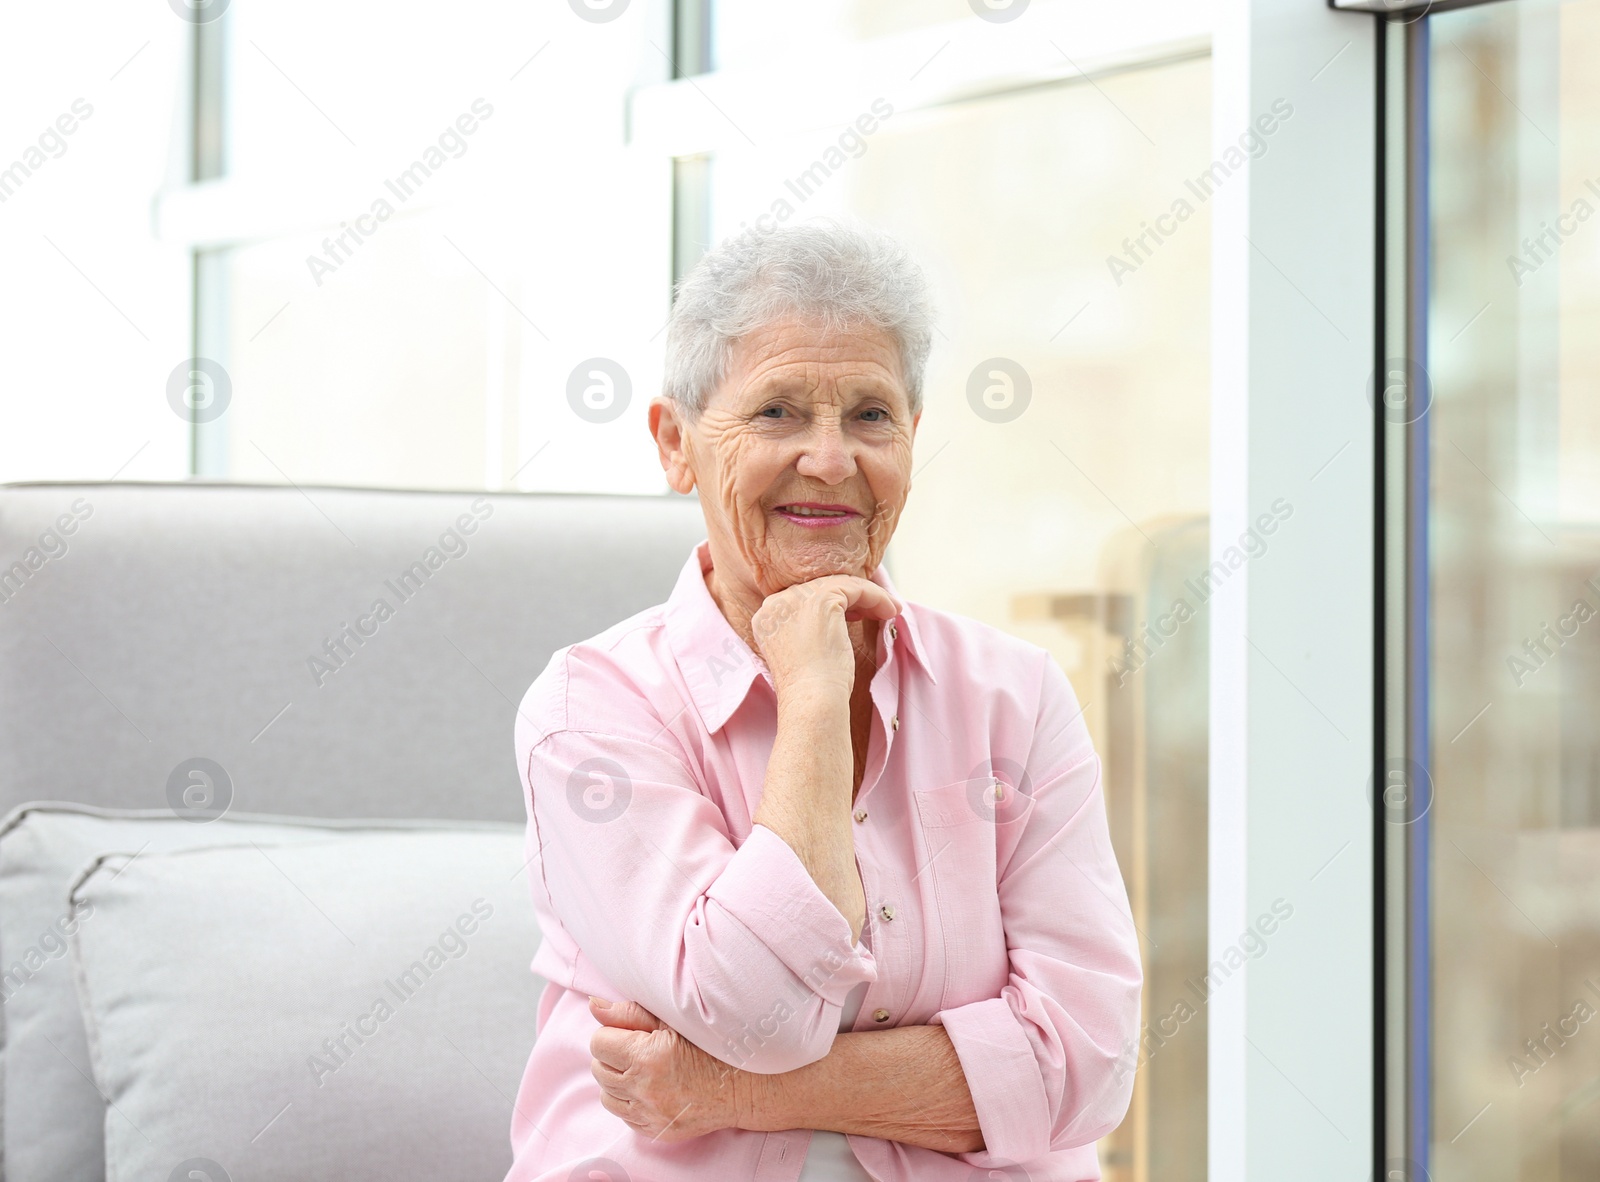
<point x="824" y="875"/>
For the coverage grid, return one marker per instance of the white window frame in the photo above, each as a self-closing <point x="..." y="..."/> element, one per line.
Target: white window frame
<point x="1054" y="41"/>
<point x="1293" y="1060"/>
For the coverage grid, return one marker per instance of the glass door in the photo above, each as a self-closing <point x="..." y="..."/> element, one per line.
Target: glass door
<point x="1514" y="336"/>
<point x="1494" y="949"/>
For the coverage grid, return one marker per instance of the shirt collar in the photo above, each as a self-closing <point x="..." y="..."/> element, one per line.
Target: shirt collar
<point x="910" y="632"/>
<point x="718" y="665"/>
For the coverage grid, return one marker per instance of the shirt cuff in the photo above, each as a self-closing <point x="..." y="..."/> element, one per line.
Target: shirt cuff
<point x="1003" y="1076"/>
<point x="767" y="888"/>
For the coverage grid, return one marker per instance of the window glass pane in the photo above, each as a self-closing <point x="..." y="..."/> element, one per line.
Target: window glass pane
<point x="748" y="34"/>
<point x="333" y="86"/>
<point x="1515" y="441"/>
<point x="398" y="309"/>
<point x="415" y="362"/>
<point x="94" y="311"/>
<point x="1061" y="487"/>
<point x="378" y="377"/>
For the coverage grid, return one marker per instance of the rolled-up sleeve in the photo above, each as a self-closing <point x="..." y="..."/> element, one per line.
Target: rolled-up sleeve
<point x="737" y="949"/>
<point x="1050" y="1061"/>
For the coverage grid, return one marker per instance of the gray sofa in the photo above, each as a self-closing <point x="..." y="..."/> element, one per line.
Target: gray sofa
<point x="263" y="910"/>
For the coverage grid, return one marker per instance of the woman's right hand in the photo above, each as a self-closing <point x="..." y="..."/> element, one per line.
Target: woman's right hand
<point x="803" y="635"/>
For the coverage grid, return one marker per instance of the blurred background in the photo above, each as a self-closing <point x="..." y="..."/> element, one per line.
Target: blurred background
<point x="418" y="246"/>
<point x="1515" y="466"/>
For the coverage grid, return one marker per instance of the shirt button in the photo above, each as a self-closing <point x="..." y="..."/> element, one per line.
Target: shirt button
<point x="880" y="1015"/>
<point x="886" y="911"/>
<point x="860" y="815"/>
<point x="894" y="723"/>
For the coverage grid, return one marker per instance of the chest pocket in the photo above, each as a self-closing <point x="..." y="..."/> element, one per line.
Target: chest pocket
<point x="959" y="884"/>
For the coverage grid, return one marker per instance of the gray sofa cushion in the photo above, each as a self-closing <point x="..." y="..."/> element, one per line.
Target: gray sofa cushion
<point x="147" y="626"/>
<point x="353" y="1007"/>
<point x="52" y="1113"/>
<point x="178" y="621"/>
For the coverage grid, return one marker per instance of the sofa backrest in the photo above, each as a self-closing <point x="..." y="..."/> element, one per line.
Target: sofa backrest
<point x="331" y="652"/>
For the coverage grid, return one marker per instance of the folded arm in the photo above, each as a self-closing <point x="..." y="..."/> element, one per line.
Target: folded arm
<point x="904" y="1084"/>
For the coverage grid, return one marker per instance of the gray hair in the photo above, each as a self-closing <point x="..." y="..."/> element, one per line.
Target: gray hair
<point x="842" y="275"/>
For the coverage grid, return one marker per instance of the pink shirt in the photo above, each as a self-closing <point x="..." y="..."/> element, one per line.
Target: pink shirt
<point x="995" y="902"/>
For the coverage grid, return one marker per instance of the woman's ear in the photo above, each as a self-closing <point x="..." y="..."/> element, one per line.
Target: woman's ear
<point x="667" y="426"/>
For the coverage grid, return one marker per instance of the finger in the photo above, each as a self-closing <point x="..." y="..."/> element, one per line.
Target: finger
<point x="611" y="1082"/>
<point x="609" y="1078"/>
<point x="620" y="1108"/>
<point x="624" y="1015"/>
<point x="616" y="1048"/>
<point x="624" y="1104"/>
<point x="865" y="599"/>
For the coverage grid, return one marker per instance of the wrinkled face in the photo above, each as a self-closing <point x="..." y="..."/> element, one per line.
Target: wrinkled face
<point x="802" y="455"/>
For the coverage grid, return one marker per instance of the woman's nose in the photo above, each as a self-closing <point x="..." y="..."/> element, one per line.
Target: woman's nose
<point x="826" y="456"/>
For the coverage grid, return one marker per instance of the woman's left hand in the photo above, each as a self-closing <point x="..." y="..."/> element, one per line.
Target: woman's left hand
<point x="656" y="1080"/>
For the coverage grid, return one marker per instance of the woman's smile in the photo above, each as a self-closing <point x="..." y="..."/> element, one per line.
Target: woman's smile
<point x="816" y="515"/>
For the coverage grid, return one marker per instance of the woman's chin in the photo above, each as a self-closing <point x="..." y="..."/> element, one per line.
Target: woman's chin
<point x="775" y="564"/>
<point x="802" y="568"/>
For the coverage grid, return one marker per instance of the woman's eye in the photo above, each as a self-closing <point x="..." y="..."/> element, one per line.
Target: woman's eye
<point x="772" y="412"/>
<point x="879" y="411"/>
